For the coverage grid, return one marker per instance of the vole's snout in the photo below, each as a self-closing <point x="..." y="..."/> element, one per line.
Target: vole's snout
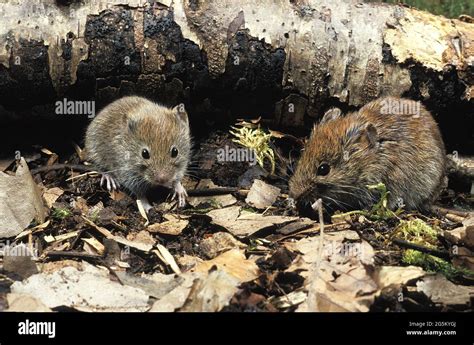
<point x="161" y="179"/>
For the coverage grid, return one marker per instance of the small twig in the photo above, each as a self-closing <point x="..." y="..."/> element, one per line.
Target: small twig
<point x="72" y="254"/>
<point x="89" y="173"/>
<point x="443" y="211"/>
<point x="77" y="167"/>
<point x="215" y="191"/>
<point x="435" y="252"/>
<point x="97" y="259"/>
<point x="312" y="295"/>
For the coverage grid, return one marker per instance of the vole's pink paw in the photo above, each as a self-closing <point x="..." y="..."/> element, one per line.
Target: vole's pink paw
<point x="180" y="193"/>
<point x="110" y="182"/>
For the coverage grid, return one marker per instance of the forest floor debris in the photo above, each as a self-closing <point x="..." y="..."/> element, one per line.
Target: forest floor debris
<point x="241" y="247"/>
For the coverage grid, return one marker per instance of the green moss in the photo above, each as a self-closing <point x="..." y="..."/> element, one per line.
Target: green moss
<point x="60" y="213"/>
<point x="432" y="264"/>
<point x="417" y="231"/>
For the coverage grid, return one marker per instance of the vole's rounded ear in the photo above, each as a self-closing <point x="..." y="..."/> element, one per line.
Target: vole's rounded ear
<point x="331" y="114"/>
<point x="180" y="111"/>
<point x="132" y="125"/>
<point x="371" y="134"/>
<point x="359" y="133"/>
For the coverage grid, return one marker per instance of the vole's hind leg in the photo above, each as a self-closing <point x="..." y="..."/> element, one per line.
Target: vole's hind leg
<point x="180" y="193"/>
<point x="109" y="181"/>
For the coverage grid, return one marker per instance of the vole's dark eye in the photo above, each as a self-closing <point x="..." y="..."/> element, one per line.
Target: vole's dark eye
<point x="323" y="169"/>
<point x="145" y="154"/>
<point x="174" y="152"/>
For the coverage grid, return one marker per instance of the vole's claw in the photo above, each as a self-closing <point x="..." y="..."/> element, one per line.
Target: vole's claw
<point x="180" y="193"/>
<point x="111" y="183"/>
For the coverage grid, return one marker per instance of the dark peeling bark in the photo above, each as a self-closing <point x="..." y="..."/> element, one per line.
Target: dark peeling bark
<point x="286" y="61"/>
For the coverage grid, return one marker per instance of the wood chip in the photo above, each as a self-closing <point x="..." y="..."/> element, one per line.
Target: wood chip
<point x="62" y="237"/>
<point x="142" y="211"/>
<point x="93" y="242"/>
<point x="36" y="229"/>
<point x="100" y="229"/>
<point x="167" y="258"/>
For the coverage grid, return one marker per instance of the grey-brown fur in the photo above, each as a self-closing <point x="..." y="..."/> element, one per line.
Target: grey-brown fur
<point x="116" y="137"/>
<point x="376" y="144"/>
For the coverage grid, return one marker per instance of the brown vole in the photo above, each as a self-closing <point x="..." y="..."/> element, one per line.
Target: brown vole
<point x="390" y="140"/>
<point x="139" y="144"/>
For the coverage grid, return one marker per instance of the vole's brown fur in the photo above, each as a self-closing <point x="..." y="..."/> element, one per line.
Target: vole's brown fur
<point x="375" y="144"/>
<point x="121" y="131"/>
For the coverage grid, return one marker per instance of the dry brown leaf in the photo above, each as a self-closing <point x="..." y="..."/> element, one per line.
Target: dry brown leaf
<point x="86" y="289"/>
<point x="212" y="293"/>
<point x="441" y="291"/>
<point x="219" y="242"/>
<point x="396" y="275"/>
<point x="343" y="281"/>
<point x="234" y="263"/>
<point x="217" y="201"/>
<point x="463" y="235"/>
<point x="464" y="258"/>
<point x="144" y="247"/>
<point x="142" y="237"/>
<point x="20" y="201"/>
<point x="242" y="223"/>
<point x="117" y="195"/>
<point x="170" y="227"/>
<point x="186" y="262"/>
<point x="175" y="299"/>
<point x="51" y="195"/>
